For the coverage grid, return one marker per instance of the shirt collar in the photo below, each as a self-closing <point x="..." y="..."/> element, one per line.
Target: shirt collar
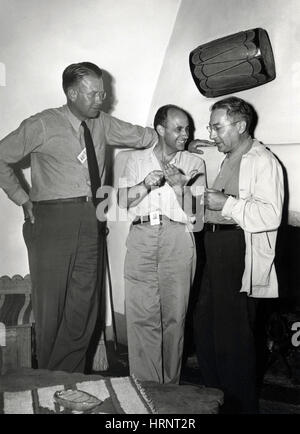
<point x="75" y="122"/>
<point x="240" y="152"/>
<point x="174" y="160"/>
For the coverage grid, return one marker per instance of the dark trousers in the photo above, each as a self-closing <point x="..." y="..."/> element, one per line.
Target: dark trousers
<point x="224" y="322"/>
<point x="63" y="250"/>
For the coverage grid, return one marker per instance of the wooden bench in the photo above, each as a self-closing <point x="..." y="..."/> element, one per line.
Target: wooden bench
<point x="17" y="322"/>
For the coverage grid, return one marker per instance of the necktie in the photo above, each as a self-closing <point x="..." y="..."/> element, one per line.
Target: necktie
<point x="92" y="162"/>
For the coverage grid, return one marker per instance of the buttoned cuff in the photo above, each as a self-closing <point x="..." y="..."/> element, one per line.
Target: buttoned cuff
<point x="19" y="197"/>
<point x="228" y="206"/>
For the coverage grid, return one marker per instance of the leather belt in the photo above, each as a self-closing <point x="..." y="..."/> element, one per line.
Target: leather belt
<point x="146" y="219"/>
<point x="215" y="227"/>
<point x="62" y="201"/>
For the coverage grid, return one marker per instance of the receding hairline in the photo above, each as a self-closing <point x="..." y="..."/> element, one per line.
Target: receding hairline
<point x="92" y="74"/>
<point x="176" y="109"/>
<point x="76" y="72"/>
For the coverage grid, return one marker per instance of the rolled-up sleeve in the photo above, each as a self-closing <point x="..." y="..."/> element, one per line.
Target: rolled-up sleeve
<point x="121" y="133"/>
<point x="14" y="148"/>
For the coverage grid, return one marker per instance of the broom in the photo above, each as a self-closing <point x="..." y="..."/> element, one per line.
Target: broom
<point x="100" y="362"/>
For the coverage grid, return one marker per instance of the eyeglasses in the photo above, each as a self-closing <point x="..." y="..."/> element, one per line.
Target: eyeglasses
<point x="92" y="95"/>
<point x="211" y="128"/>
<point x="102" y="95"/>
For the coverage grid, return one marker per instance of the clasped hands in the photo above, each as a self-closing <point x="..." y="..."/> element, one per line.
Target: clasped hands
<point x="170" y="173"/>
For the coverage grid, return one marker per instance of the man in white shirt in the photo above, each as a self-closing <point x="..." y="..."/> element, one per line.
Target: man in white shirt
<point x="164" y="187"/>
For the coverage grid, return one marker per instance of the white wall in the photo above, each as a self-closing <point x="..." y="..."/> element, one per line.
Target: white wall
<point x="39" y="38"/>
<point x="277" y="102"/>
<point x="129" y="38"/>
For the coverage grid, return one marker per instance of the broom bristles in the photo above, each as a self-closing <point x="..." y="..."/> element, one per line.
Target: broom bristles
<point x="100" y="362"/>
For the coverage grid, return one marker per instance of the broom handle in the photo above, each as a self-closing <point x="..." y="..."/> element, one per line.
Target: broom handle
<point x="111" y="294"/>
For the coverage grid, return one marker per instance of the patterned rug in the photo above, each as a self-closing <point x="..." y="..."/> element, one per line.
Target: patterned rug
<point x="120" y="395"/>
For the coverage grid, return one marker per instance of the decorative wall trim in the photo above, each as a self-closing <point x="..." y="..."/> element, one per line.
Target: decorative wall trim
<point x="15" y="300"/>
<point x="15" y="285"/>
<point x="17" y="317"/>
<point x="16" y="310"/>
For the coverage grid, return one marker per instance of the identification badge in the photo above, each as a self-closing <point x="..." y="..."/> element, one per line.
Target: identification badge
<point x="154" y="218"/>
<point x="82" y="156"/>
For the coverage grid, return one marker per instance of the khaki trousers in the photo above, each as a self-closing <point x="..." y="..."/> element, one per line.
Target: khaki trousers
<point x="159" y="268"/>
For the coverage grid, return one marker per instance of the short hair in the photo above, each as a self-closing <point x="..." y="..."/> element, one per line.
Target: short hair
<point x="236" y="106"/>
<point x="75" y="72"/>
<point x="162" y="114"/>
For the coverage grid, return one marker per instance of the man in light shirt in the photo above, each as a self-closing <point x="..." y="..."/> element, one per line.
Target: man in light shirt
<point x="162" y="187"/>
<point x="242" y="215"/>
<point x="61" y="229"/>
<point x="63" y="236"/>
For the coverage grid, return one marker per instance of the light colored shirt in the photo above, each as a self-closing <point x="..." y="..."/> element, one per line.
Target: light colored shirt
<point x="258" y="210"/>
<point x="54" y="140"/>
<point x="162" y="199"/>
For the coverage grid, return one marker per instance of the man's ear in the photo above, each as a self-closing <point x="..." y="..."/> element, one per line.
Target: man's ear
<point x="72" y="94"/>
<point x="160" y="130"/>
<point x="242" y="125"/>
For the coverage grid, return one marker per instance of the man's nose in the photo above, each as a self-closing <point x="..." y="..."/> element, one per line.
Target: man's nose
<point x="212" y="134"/>
<point x="98" y="98"/>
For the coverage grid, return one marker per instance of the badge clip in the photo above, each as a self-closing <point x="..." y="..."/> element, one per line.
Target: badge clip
<point x="154" y="218"/>
<point x="82" y="156"/>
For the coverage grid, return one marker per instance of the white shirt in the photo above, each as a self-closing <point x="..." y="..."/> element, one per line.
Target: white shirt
<point x="141" y="163"/>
